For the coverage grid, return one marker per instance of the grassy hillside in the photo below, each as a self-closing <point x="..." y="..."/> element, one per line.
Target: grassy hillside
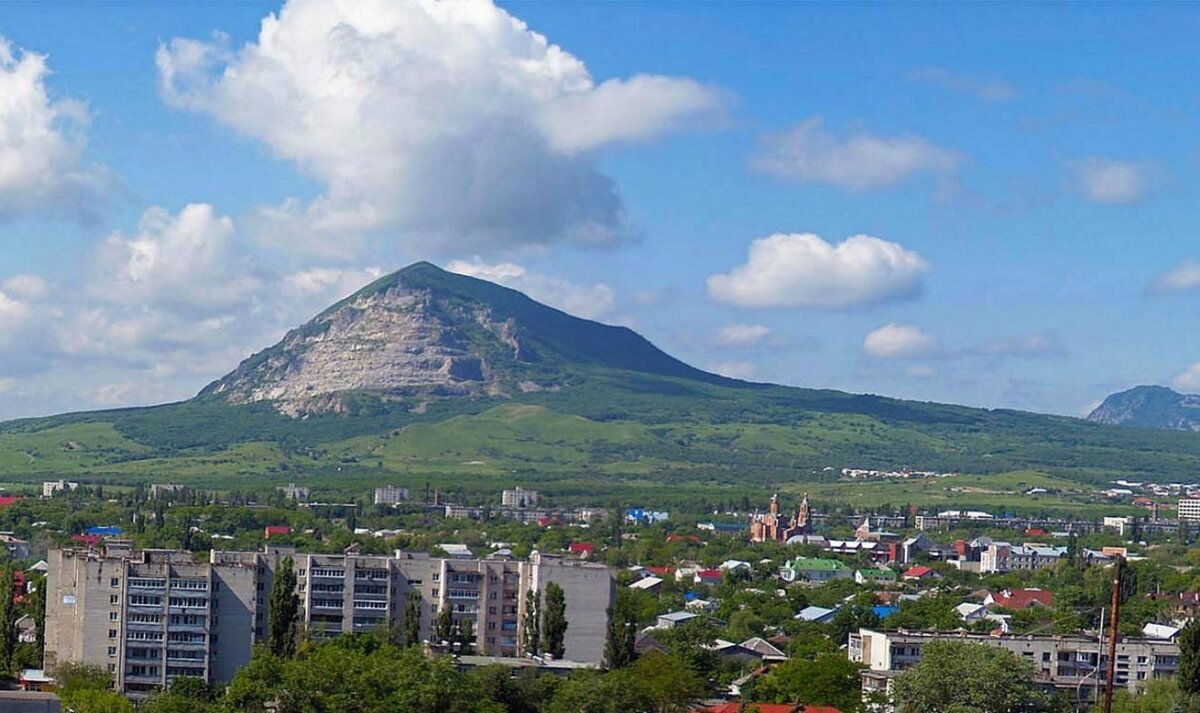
<point x="607" y="427"/>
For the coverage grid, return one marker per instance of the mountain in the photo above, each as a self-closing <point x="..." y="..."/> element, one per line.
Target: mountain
<point x="424" y="333"/>
<point x="1150" y="407"/>
<point x="426" y="375"/>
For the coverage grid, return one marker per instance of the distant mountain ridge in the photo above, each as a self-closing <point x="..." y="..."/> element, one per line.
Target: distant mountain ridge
<point x="424" y="333"/>
<point x="428" y="374"/>
<point x="1150" y="407"/>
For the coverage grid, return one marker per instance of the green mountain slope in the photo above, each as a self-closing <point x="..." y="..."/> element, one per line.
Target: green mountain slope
<point x="604" y="404"/>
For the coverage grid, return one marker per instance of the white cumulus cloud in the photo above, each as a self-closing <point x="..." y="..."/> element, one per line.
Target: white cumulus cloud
<point x="802" y="270"/>
<point x="42" y="170"/>
<point x="187" y="260"/>
<point x="894" y="340"/>
<point x="1184" y="277"/>
<point x="449" y="123"/>
<point x="987" y="90"/>
<point x="736" y="369"/>
<point x="856" y="161"/>
<point x="741" y="335"/>
<point x="1110" y="181"/>
<point x="595" y="301"/>
<point x="1188" y="379"/>
<point x="900" y="341"/>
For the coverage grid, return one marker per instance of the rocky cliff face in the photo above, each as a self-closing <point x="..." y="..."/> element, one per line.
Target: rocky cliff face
<point x="1150" y="407"/>
<point x="423" y="333"/>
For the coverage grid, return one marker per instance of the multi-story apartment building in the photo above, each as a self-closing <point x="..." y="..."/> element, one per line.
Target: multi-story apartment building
<point x="390" y="495"/>
<point x="51" y="487"/>
<point x="1189" y="509"/>
<point x="518" y="498"/>
<point x="1071" y="662"/>
<point x="291" y="491"/>
<point x="150" y="616"/>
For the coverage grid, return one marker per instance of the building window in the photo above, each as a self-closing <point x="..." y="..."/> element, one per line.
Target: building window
<point x="112" y="633"/>
<point x="114" y="599"/>
<point x="112" y="616"/>
<point x="437" y="577"/>
<point x="114" y="582"/>
<point x="112" y="651"/>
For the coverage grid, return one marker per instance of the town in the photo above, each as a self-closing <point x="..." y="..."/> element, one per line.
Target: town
<point x="160" y="591"/>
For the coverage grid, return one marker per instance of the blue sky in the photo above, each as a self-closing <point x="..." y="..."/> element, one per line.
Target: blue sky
<point x="180" y="183"/>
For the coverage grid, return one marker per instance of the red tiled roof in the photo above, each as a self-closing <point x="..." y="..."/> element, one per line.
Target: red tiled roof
<point x="918" y="571"/>
<point x="1023" y="598"/>
<point x="681" y="538"/>
<point x="709" y="574"/>
<point x="661" y="571"/>
<point x="736" y="707"/>
<point x="89" y="540"/>
<point x="6" y="500"/>
<point x="276" y="530"/>
<point x="581" y="548"/>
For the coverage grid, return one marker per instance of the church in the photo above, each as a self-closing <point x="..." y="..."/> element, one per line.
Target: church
<point x="771" y="526"/>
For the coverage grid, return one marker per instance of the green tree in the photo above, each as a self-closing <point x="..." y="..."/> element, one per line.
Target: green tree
<point x="284" y="618"/>
<point x="692" y="643"/>
<point x="187" y="694"/>
<point x="594" y="692"/>
<point x="960" y="677"/>
<point x="1160" y="695"/>
<point x="356" y="674"/>
<point x="412" y="620"/>
<point x="38" y="605"/>
<point x="829" y="680"/>
<point x="85" y="689"/>
<point x="554" y="621"/>
<point x="445" y="624"/>
<point x="93" y="701"/>
<point x="8" y="618"/>
<point x="621" y="634"/>
<point x="532" y="644"/>
<point x="466" y="636"/>
<point x="669" y="682"/>
<point x="73" y="677"/>
<point x="1189" y="658"/>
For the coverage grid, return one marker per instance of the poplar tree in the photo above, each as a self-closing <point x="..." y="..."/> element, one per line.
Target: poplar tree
<point x="412" y="620"/>
<point x="284" y="619"/>
<point x="532" y="644"/>
<point x="8" y="618"/>
<point x="622" y="634"/>
<point x="1189" y="658"/>
<point x="445" y="624"/>
<point x="554" y="621"/>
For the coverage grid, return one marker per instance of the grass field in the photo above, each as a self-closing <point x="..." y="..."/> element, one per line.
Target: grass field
<point x="613" y="438"/>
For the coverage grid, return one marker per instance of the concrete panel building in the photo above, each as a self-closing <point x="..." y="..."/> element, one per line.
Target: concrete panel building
<point x="519" y="498"/>
<point x="390" y="495"/>
<point x="1189" y="509"/>
<point x="151" y="616"/>
<point x="1068" y="662"/>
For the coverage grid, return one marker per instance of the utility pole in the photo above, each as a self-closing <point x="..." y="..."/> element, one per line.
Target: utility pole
<point x="1110" y="669"/>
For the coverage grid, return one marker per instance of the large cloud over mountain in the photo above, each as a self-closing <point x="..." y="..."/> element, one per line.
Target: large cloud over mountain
<point x="451" y="123"/>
